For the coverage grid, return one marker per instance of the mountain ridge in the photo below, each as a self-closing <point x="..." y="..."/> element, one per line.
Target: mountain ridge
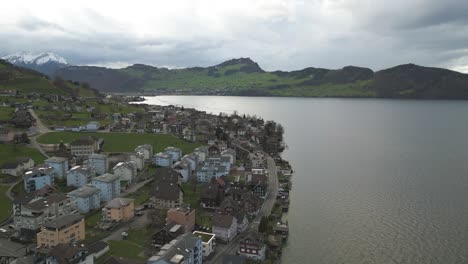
<point x="44" y="62"/>
<point x="243" y="76"/>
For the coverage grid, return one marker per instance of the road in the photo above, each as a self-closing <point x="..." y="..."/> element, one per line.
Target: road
<point x="267" y="206"/>
<point x="41" y="129"/>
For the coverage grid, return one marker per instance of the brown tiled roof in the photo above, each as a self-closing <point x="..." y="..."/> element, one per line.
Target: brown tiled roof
<point x="167" y="191"/>
<point x="224" y="221"/>
<point x="83" y="141"/>
<point x="64" y="253"/>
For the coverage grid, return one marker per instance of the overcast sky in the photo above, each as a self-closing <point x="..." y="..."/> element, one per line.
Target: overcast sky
<point x="278" y="34"/>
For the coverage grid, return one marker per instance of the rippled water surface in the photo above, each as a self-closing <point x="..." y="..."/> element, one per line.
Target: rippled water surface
<point x="377" y="181"/>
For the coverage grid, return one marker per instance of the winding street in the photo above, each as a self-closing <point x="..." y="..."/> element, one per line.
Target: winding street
<point x="265" y="210"/>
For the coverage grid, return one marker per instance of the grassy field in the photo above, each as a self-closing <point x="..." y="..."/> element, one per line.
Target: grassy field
<point x="9" y="153"/>
<point x="5" y="203"/>
<point x="141" y="196"/>
<point x="123" y="142"/>
<point x="134" y="247"/>
<point x="6" y="113"/>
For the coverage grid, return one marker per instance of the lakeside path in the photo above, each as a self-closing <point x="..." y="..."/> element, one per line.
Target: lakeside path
<point x="267" y="206"/>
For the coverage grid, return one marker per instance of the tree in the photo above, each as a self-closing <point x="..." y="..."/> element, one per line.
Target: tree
<point x="263" y="226"/>
<point x="24" y="138"/>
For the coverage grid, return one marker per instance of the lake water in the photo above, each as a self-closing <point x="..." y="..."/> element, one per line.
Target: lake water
<point x="377" y="181"/>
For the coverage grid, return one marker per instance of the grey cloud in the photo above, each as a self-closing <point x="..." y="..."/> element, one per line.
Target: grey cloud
<point x="375" y="34"/>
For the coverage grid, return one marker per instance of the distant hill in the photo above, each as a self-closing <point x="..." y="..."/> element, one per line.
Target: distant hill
<point x="44" y="62"/>
<point x="26" y="80"/>
<point x="245" y="77"/>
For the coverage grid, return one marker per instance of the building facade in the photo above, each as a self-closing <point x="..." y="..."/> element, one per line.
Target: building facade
<point x="62" y="230"/>
<point x="86" y="198"/>
<point x="109" y="184"/>
<point x="60" y="166"/>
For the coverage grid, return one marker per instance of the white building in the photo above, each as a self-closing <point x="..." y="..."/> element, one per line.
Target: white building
<point x="162" y="160"/>
<point x="99" y="162"/>
<point x="208" y="242"/>
<point x="175" y="153"/>
<point x="138" y="158"/>
<point x="87" y="198"/>
<point x="60" y="166"/>
<point x="79" y="176"/>
<point x="126" y="171"/>
<point x="224" y="227"/>
<point x="109" y="184"/>
<point x="147" y="151"/>
<point x="183" y="168"/>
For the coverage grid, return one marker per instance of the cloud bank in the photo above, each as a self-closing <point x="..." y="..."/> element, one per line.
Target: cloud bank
<point x="278" y="34"/>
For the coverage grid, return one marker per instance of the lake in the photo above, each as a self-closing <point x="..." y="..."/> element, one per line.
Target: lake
<point x="376" y="181"/>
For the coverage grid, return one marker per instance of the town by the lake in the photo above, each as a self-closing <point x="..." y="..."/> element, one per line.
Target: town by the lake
<point x="96" y="179"/>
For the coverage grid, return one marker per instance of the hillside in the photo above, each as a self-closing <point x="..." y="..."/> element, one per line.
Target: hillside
<point x="245" y="77"/>
<point x="26" y="80"/>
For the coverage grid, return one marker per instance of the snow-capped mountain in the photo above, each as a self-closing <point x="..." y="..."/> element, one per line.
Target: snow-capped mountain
<point x="45" y="62"/>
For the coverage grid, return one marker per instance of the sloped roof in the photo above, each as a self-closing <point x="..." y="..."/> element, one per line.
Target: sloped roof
<point x="119" y="203"/>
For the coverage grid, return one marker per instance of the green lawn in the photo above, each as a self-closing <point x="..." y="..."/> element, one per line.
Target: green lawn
<point x="5" y="203"/>
<point x="123" y="142"/>
<point x="141" y="196"/>
<point x="9" y="153"/>
<point x="133" y="248"/>
<point x="6" y="113"/>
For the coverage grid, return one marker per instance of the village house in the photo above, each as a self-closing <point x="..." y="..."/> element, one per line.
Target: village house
<point x="167" y="195"/>
<point x="202" y="153"/>
<point x="219" y="161"/>
<point x="175" y="153"/>
<point x="60" y="166"/>
<point x="126" y="171"/>
<point x="251" y="245"/>
<point x="168" y="175"/>
<point x="162" y="160"/>
<point x="208" y="242"/>
<point x="258" y="160"/>
<point x="192" y="159"/>
<point x="32" y="213"/>
<point x="92" y="126"/>
<point x="61" y="230"/>
<point x="22" y="118"/>
<point x="182" y="215"/>
<point x="86" y="198"/>
<point x="38" y="177"/>
<point x="109" y="184"/>
<point x="231" y="154"/>
<point x="207" y="172"/>
<point x="119" y="209"/>
<point x="166" y="234"/>
<point x="138" y="158"/>
<point x="85" y="146"/>
<point x="231" y="207"/>
<point x="67" y="253"/>
<point x="183" y="168"/>
<point x="147" y="151"/>
<point x="100" y="163"/>
<point x="79" y="176"/>
<point x="224" y="227"/>
<point x="250" y="203"/>
<point x="186" y="248"/>
<point x="211" y="196"/>
<point x="17" y="167"/>
<point x="6" y="135"/>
